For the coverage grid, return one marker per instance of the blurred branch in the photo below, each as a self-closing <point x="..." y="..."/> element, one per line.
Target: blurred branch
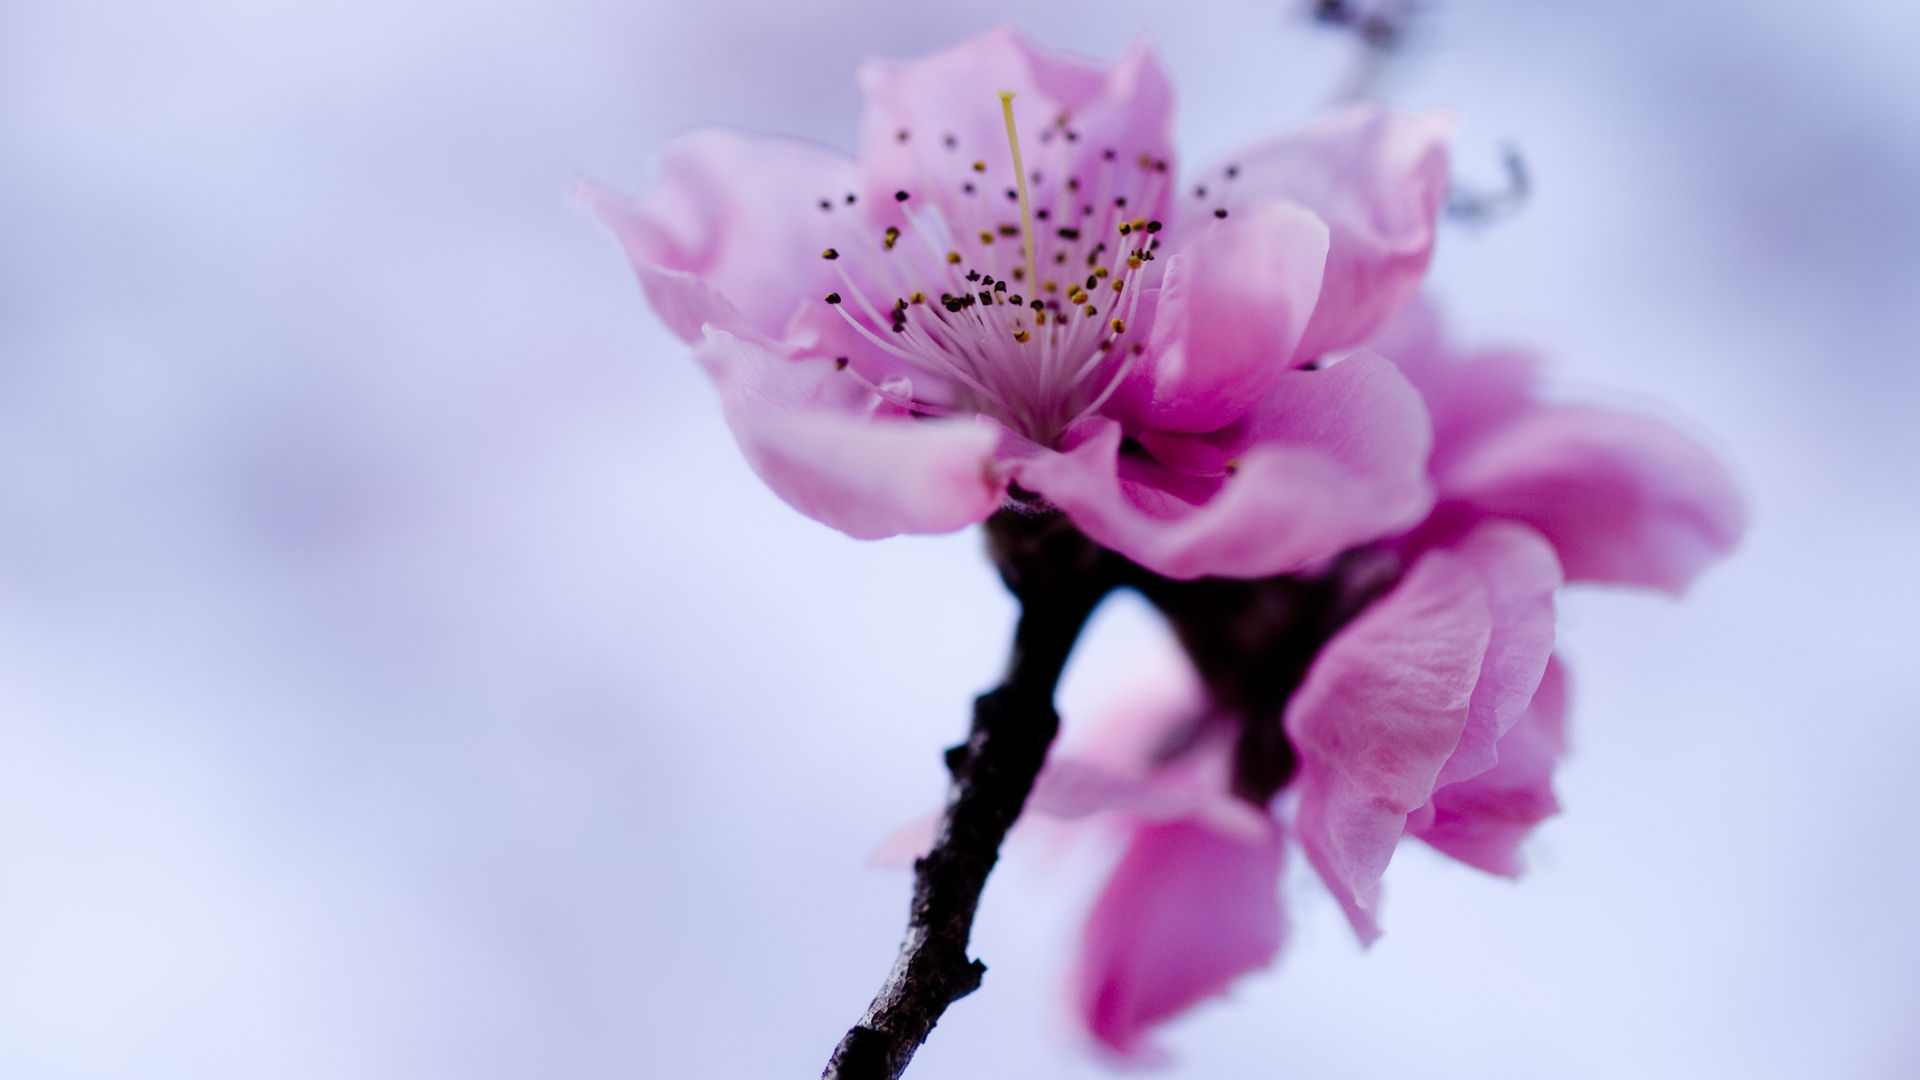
<point x="1379" y="26"/>
<point x="1059" y="577"/>
<point x="1479" y="207"/>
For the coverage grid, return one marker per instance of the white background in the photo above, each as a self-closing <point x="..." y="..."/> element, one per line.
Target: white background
<point x="401" y="676"/>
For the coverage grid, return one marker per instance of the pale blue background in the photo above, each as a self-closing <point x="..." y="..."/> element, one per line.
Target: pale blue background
<point x="401" y="676"/>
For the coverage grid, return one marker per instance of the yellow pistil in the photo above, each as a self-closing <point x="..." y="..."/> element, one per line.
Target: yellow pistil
<point x="1020" y="177"/>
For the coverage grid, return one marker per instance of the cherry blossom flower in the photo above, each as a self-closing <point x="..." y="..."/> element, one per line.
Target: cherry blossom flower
<point x="1011" y="296"/>
<point x="1437" y="712"/>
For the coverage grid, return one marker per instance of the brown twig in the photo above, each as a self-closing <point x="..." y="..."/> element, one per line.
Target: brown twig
<point x="1059" y="577"/>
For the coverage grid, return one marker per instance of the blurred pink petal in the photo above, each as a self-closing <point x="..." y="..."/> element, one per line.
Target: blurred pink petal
<point x="1625" y="499"/>
<point x="1482" y="821"/>
<point x="1380" y="712"/>
<point x="1185" y="913"/>
<point x="1520" y="574"/>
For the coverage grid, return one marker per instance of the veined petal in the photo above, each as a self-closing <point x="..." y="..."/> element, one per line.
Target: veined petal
<point x="1381" y="710"/>
<point x="815" y="440"/>
<point x="1339" y="459"/>
<point x="1185" y="913"/>
<point x="1482" y="821"/>
<point x="1520" y="574"/>
<point x="1378" y="178"/>
<point x="739" y="213"/>
<point x="1231" y="311"/>
<point x="1624" y="499"/>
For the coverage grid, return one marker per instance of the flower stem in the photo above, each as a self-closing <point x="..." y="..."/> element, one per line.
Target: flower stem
<point x="1059" y="577"/>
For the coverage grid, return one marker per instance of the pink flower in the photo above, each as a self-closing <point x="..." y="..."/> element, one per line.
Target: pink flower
<point x="1436" y="712"/>
<point x="894" y="354"/>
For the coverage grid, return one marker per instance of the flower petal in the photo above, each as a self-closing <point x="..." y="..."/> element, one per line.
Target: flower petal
<point x="1468" y="397"/>
<point x="1482" y="821"/>
<point x="1520" y="574"/>
<point x="1231" y="310"/>
<point x="1624" y="499"/>
<point x="1380" y="711"/>
<point x="1185" y="913"/>
<point x="813" y="437"/>
<point x="742" y="215"/>
<point x="1125" y="107"/>
<point x="1378" y="178"/>
<point x="1337" y="458"/>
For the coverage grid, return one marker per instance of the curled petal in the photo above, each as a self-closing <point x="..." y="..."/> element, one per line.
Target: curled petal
<point x="1518" y="570"/>
<point x="1337" y="459"/>
<point x="1624" y="499"/>
<point x="1381" y="710"/>
<point x="1185" y="913"/>
<point x="1378" y="178"/>
<point x="739" y="213"/>
<point x="1231" y="311"/>
<point x="1126" y="107"/>
<point x="1482" y="821"/>
<point x="815" y="440"/>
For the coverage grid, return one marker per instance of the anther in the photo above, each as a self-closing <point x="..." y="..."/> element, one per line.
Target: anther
<point x="829" y="254"/>
<point x="1220" y="213"/>
<point x="1021" y="336"/>
<point x="1119" y="327"/>
<point x="833" y="298"/>
<point x="899" y="196"/>
<point x="986" y="237"/>
<point x="953" y="257"/>
<point x="950" y="142"/>
<point x="1119" y="283"/>
<point x="1107" y="153"/>
<point x="918" y="298"/>
<point x="891" y="238"/>
<point x="1153" y="226"/>
<point x="979" y="166"/>
<point x="1233" y="171"/>
<point x="903" y="135"/>
<point x="826" y="204"/>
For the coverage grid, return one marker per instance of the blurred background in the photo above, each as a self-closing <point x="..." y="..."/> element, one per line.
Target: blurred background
<point x="401" y="675"/>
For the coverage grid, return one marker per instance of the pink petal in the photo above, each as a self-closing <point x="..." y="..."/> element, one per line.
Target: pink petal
<point x="1468" y="397"/>
<point x="1520" y="574"/>
<point x="1378" y="179"/>
<point x="1185" y="913"/>
<point x="1126" y="106"/>
<point x="742" y="215"/>
<point x="1380" y="711"/>
<point x="1231" y="310"/>
<point x="1482" y="821"/>
<point x="1623" y="498"/>
<point x="813" y="437"/>
<point x="1335" y="458"/>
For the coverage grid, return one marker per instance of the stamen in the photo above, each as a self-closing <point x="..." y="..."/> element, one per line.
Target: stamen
<point x="1020" y="176"/>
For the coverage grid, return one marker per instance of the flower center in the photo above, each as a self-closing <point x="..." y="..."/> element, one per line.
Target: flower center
<point x="1025" y="313"/>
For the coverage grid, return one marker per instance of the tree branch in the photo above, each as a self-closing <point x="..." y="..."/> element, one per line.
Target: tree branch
<point x="1059" y="577"/>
